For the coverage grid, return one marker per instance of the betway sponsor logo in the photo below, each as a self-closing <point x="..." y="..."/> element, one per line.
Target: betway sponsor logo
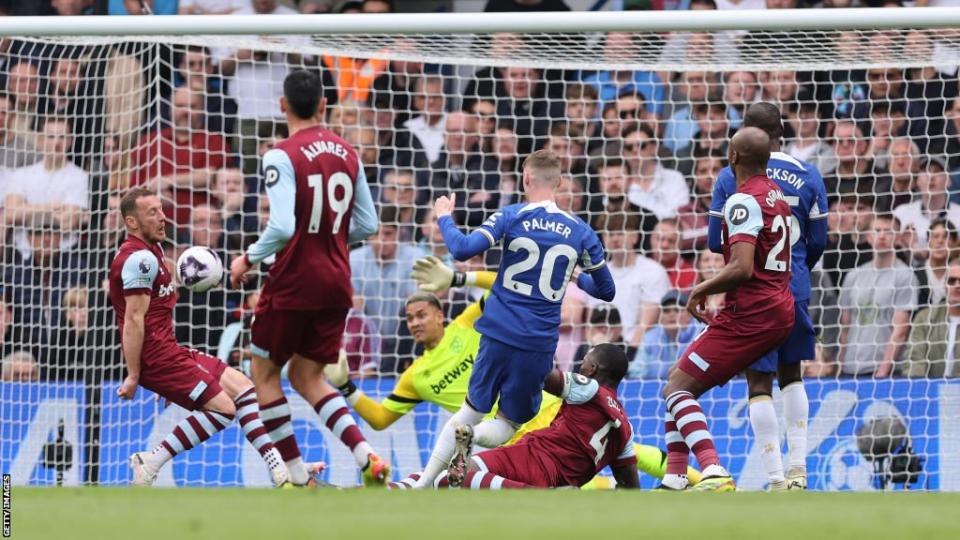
<point x="452" y="375"/>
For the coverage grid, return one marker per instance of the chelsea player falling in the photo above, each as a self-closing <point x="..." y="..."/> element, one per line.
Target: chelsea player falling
<point x="804" y="191"/>
<point x="542" y="246"/>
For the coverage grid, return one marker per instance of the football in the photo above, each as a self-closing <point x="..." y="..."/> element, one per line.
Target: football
<point x="199" y="269"/>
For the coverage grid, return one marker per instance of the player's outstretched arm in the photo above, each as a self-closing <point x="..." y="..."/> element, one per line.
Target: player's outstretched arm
<point x="132" y="342"/>
<point x="376" y="415"/>
<point x="463" y="246"/>
<point x="364" y="221"/>
<point x="598" y="283"/>
<point x="715" y="219"/>
<point x="432" y="275"/>
<point x="626" y="476"/>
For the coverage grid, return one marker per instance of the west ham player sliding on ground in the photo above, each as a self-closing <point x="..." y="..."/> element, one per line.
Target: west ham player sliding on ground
<point x="756" y="318"/>
<point x="319" y="202"/>
<point x="521" y="322"/>
<point x="143" y="297"/>
<point x="804" y="191"/>
<point x="590" y="432"/>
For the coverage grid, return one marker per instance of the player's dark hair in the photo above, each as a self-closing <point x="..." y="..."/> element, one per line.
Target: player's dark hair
<point x="765" y="116"/>
<point x="611" y="362"/>
<point x="423" y="297"/>
<point x="128" y="204"/>
<point x="303" y="91"/>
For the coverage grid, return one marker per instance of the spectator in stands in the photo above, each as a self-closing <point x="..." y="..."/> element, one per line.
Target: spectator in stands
<point x="35" y="276"/>
<point x="142" y="7"/>
<point x="665" y="249"/>
<point x="739" y="90"/>
<point x="933" y="350"/>
<point x="364" y="139"/>
<point x="641" y="282"/>
<point x="51" y="189"/>
<point x="346" y="115"/>
<point x="581" y="115"/>
<point x="400" y="191"/>
<point x="928" y="92"/>
<point x="653" y="187"/>
<point x="71" y="93"/>
<point x="904" y="163"/>
<point x="526" y="101"/>
<point x="19" y="366"/>
<point x="179" y="160"/>
<point x="570" y="151"/>
<point x="612" y="175"/>
<point x="664" y="343"/>
<point x="7" y="343"/>
<point x="65" y="356"/>
<point x="806" y="144"/>
<point x="525" y="5"/>
<point x="487" y="82"/>
<point x="508" y="164"/>
<point x="15" y="150"/>
<point x="887" y="122"/>
<point x="620" y="47"/>
<point x="933" y="202"/>
<point x="681" y="127"/>
<point x="604" y="327"/>
<point x="569" y="197"/>
<point x="693" y="216"/>
<point x="431" y="239"/>
<point x="361" y="344"/>
<point x="426" y="130"/>
<point x="849" y="223"/>
<point x="877" y="299"/>
<point x="854" y="174"/>
<point x="942" y="244"/>
<point x="256" y="80"/>
<point x="209" y="7"/>
<point x="393" y="145"/>
<point x="779" y="87"/>
<point x="23" y="89"/>
<point x="100" y="245"/>
<point x="196" y="72"/>
<point x="462" y="170"/>
<point x="486" y="113"/>
<point x="237" y="205"/>
<point x="381" y="276"/>
<point x="206" y="229"/>
<point x="711" y="138"/>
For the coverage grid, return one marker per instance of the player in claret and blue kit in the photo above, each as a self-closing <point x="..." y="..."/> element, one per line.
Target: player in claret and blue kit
<point x="520" y="326"/>
<point x="806" y="194"/>
<point x="319" y="203"/>
<point x="757" y="316"/>
<point x="143" y="296"/>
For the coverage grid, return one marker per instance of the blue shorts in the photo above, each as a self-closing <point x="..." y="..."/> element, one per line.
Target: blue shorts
<point x="513" y="375"/>
<point x="801" y="345"/>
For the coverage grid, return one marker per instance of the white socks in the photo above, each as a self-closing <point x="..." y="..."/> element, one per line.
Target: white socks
<point x="493" y="433"/>
<point x="796" y="411"/>
<point x="766" y="432"/>
<point x="446" y="444"/>
<point x="157" y="459"/>
<point x="298" y="471"/>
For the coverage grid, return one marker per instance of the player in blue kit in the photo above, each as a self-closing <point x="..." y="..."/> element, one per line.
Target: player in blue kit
<point x="804" y="191"/>
<point x="520" y="326"/>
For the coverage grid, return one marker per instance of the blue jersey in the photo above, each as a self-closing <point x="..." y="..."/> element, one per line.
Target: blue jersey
<point x="541" y="246"/>
<point x="804" y="191"/>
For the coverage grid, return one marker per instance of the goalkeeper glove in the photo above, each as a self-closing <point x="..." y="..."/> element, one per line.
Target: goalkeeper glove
<point x="339" y="375"/>
<point x="433" y="276"/>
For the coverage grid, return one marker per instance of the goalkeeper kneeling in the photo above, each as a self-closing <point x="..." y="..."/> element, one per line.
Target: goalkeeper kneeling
<point x="441" y="375"/>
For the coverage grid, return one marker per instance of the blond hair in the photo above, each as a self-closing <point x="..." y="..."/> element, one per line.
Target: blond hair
<point x="544" y="167"/>
<point x="75" y="298"/>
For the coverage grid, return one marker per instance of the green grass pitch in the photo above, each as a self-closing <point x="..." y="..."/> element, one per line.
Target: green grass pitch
<point x="233" y="514"/>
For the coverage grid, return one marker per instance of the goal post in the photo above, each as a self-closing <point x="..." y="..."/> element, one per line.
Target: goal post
<point x="640" y="107"/>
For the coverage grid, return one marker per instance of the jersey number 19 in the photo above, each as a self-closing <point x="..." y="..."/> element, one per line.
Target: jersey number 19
<point x="338" y="206"/>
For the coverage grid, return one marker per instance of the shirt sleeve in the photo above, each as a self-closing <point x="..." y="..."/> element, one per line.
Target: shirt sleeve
<point x="404" y="396"/>
<point x="139" y="271"/>
<point x="578" y="389"/>
<point x="593" y="256"/>
<point x="281" y="185"/>
<point x="364" y="220"/>
<point x="471" y="314"/>
<point x="714" y="223"/>
<point x="744" y="218"/>
<point x="495" y="227"/>
<point x="905" y="297"/>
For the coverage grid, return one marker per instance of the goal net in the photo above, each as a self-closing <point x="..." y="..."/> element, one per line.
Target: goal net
<point x="641" y="122"/>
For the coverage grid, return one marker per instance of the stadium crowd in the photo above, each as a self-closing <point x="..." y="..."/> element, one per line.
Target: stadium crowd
<point x="79" y="124"/>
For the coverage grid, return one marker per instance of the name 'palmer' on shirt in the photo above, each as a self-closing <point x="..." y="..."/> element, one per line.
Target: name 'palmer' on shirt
<point x="540" y="224"/>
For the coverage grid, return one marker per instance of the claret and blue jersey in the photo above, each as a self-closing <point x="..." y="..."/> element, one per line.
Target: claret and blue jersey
<point x="804" y="191"/>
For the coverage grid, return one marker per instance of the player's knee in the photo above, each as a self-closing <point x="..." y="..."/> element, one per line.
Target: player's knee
<point x="222" y="404"/>
<point x="759" y="384"/>
<point x="788" y="374"/>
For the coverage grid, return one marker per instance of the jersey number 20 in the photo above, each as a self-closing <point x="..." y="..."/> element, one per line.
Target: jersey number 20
<point x="773" y="262"/>
<point x="339" y="206"/>
<point x="546" y="269"/>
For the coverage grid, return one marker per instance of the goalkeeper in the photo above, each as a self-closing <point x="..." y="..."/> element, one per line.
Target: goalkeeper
<point x="442" y="374"/>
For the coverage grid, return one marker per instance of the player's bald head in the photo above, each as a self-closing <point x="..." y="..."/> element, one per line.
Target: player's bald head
<point x="607" y="363"/>
<point x="750" y="149"/>
<point x="765" y="116"/>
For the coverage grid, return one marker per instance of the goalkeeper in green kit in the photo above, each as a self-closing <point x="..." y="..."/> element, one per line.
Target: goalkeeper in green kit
<point x="442" y="373"/>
